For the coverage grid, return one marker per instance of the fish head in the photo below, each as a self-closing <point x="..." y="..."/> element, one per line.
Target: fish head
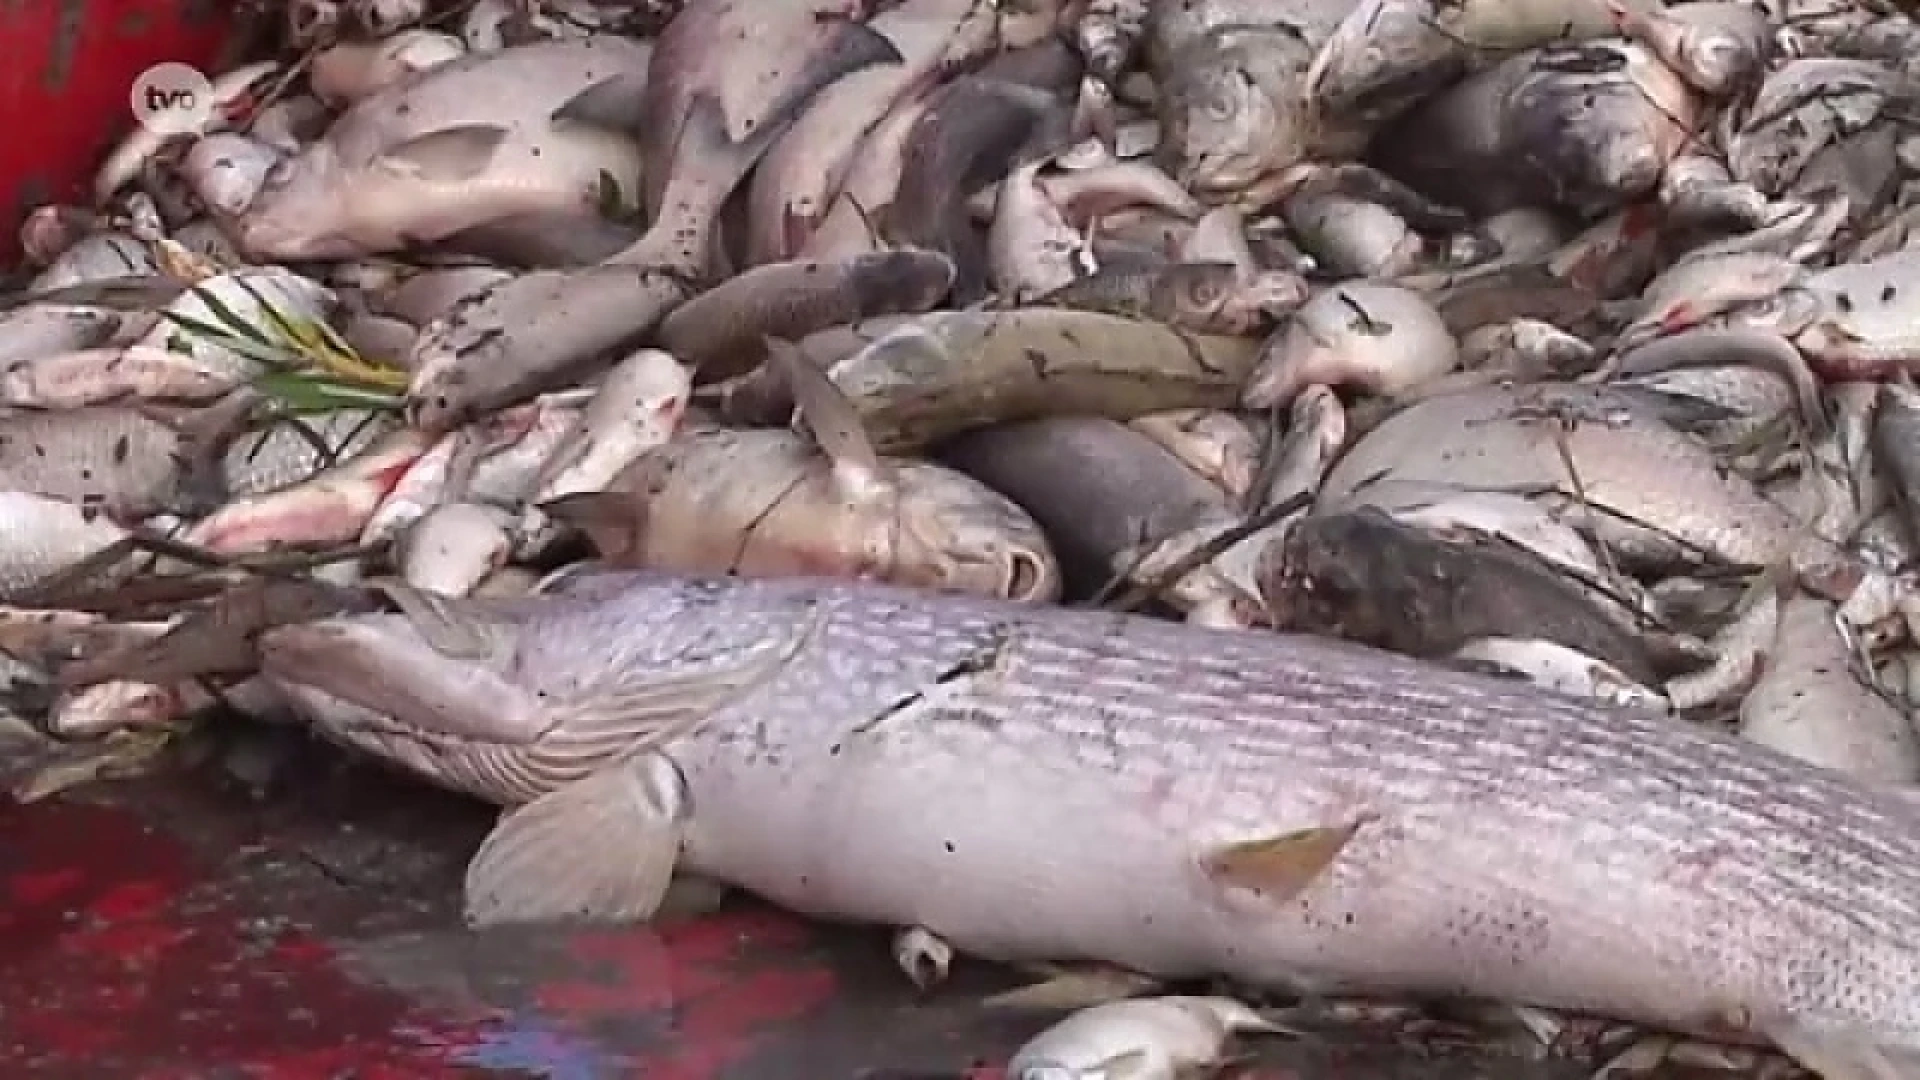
<point x="1384" y="55"/>
<point x="1224" y="129"/>
<point x="385" y="663"/>
<point x="454" y="547"/>
<point x="112" y="706"/>
<point x="1715" y="47"/>
<point x="1599" y="123"/>
<point x="295" y="210"/>
<point x="951" y="532"/>
<point x="1310" y="580"/>
<point x="1790" y="312"/>
<point x="1595" y="165"/>
<point x="1224" y="300"/>
<point x="1717" y="62"/>
<point x="904" y="279"/>
<point x="1025" y="23"/>
<point x="382" y="18"/>
<point x="309" y="22"/>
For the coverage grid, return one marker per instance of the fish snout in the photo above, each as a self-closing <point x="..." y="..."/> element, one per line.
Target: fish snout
<point x="957" y="534"/>
<point x="1275" y="293"/>
<point x="1028" y="576"/>
<point x="1718" y="65"/>
<point x="1624" y="167"/>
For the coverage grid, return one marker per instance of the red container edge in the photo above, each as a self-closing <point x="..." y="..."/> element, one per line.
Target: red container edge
<point x="66" y="69"/>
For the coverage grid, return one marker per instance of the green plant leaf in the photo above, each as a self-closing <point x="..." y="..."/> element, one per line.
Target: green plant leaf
<point x="234" y="322"/>
<point x="262" y="352"/>
<point x="300" y="392"/>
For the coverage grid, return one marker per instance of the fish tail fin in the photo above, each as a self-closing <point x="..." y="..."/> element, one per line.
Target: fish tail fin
<point x="1845" y="1053"/>
<point x="205" y="436"/>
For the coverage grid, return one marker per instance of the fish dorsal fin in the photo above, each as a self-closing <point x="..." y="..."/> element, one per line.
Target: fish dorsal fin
<point x="649" y="710"/>
<point x="612" y="104"/>
<point x="447" y="156"/>
<point x="833" y="421"/>
<point x="532" y="867"/>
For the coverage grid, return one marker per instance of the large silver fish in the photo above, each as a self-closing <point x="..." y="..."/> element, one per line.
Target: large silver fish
<point x="1034" y="783"/>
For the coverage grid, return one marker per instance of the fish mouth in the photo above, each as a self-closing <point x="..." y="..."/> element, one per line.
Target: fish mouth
<point x="381" y="664"/>
<point x="1028" y="577"/>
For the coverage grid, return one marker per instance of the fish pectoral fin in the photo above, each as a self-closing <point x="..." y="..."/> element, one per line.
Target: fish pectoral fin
<point x="1067" y="988"/>
<point x="600" y="849"/>
<point x="835" y="423"/>
<point x="1842" y="1054"/>
<point x="614" y="522"/>
<point x="612" y="104"/>
<point x="447" y="156"/>
<point x="1279" y="867"/>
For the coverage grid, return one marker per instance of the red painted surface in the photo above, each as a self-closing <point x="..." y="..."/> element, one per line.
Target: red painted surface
<point x="67" y="68"/>
<point x="114" y="967"/>
<point x="184" y="928"/>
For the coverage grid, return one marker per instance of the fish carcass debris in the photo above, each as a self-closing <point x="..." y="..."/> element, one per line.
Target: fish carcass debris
<point x="1556" y="356"/>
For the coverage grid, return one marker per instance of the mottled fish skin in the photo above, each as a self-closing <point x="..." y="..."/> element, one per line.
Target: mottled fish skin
<point x="1809" y="703"/>
<point x="710" y="111"/>
<point x="1805" y="105"/>
<point x="948" y="371"/>
<point x="794" y="186"/>
<point x="44" y="329"/>
<point x="1629" y="463"/>
<point x="108" y="457"/>
<point x="768" y="503"/>
<point x="47" y="535"/>
<point x="279" y="454"/>
<point x="1511" y="844"/>
<point x="464" y="144"/>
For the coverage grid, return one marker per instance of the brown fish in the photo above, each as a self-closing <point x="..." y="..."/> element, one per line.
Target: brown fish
<point x="941" y="373"/>
<point x="769" y="503"/>
<point x="720" y="331"/>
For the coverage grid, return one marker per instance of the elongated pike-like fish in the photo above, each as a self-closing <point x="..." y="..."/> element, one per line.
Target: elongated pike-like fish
<point x="1042" y="783"/>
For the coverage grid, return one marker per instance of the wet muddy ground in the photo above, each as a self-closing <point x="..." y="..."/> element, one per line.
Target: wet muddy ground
<point x="192" y="925"/>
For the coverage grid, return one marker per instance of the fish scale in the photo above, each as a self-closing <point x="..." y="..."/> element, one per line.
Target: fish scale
<point x="1513" y="843"/>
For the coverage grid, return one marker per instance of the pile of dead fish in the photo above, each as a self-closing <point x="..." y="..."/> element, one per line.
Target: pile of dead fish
<point x="1565" y="340"/>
